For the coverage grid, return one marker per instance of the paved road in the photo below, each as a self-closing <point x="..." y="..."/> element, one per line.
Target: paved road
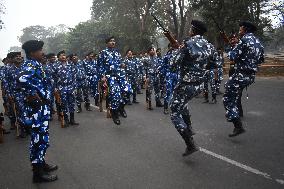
<point x="145" y="151"/>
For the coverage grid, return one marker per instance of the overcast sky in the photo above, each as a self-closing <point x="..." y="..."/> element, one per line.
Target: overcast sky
<point x="23" y="13"/>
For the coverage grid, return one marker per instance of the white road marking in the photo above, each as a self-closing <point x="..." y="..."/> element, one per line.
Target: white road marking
<point x="242" y="166"/>
<point x="98" y="108"/>
<point x="232" y="162"/>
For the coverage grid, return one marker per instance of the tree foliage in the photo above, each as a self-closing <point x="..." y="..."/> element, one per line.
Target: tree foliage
<point x="130" y="21"/>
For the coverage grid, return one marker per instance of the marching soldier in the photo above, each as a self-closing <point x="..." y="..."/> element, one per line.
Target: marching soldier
<point x="132" y="71"/>
<point x="109" y="63"/>
<point x="247" y="55"/>
<point x="210" y="76"/>
<point x="152" y="66"/>
<point x="90" y="66"/>
<point x="66" y="74"/>
<point x="191" y="59"/>
<point x="33" y="81"/>
<point x="220" y="64"/>
<point x="82" y="87"/>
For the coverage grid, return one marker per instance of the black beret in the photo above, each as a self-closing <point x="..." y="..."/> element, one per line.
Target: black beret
<point x="14" y="54"/>
<point x="49" y="55"/>
<point x="9" y="55"/>
<point x="60" y="53"/>
<point x="249" y="26"/>
<point x="32" y="46"/>
<point x="108" y="39"/>
<point x="88" y="54"/>
<point x="199" y="25"/>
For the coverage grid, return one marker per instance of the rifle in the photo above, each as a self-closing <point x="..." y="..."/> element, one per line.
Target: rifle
<point x="16" y="119"/>
<point x="59" y="108"/>
<point x="222" y="32"/>
<point x="167" y="33"/>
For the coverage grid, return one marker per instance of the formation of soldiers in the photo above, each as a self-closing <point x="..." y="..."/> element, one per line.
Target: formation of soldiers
<point x="41" y="86"/>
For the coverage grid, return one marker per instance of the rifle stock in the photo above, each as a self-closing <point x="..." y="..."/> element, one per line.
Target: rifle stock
<point x="59" y="108"/>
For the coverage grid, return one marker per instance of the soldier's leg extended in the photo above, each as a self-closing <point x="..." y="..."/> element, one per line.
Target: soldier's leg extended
<point x="180" y="115"/>
<point x="39" y="144"/>
<point x="232" y="96"/>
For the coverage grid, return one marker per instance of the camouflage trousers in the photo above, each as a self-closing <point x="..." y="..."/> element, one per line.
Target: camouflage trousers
<point x="171" y="81"/>
<point x="220" y="75"/>
<point x="68" y="100"/>
<point x="39" y="134"/>
<point x="233" y="92"/>
<point x="93" y="85"/>
<point x="153" y="84"/>
<point x="182" y="94"/>
<point x="119" y="90"/>
<point x="210" y="78"/>
<point x="82" y="95"/>
<point x="133" y="81"/>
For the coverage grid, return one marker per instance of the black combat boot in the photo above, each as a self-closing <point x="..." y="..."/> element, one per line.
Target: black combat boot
<point x="134" y="99"/>
<point x="214" y="100"/>
<point x="88" y="107"/>
<point x="72" y="119"/>
<point x="187" y="121"/>
<point x="159" y="103"/>
<point x="79" y="109"/>
<point x="238" y="128"/>
<point x="49" y="167"/>
<point x="115" y="117"/>
<point x="22" y="131"/>
<point x="66" y="120"/>
<point x="150" y="105"/>
<point x="166" y="108"/>
<point x="122" y="111"/>
<point x="206" y="97"/>
<point x="97" y="100"/>
<point x="188" y="139"/>
<point x="39" y="175"/>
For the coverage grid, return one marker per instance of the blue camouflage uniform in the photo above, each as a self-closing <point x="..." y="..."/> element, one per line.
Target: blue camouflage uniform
<point x="210" y="73"/>
<point x="191" y="59"/>
<point x="152" y="67"/>
<point x="247" y="55"/>
<point x="8" y="92"/>
<point x="48" y="70"/>
<point x="132" y="74"/>
<point x="91" y="71"/>
<point x="220" y="71"/>
<point x="171" y="76"/>
<point x="32" y="80"/>
<point x="19" y="98"/>
<point x="109" y="63"/>
<point x="82" y="84"/>
<point x="66" y="83"/>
